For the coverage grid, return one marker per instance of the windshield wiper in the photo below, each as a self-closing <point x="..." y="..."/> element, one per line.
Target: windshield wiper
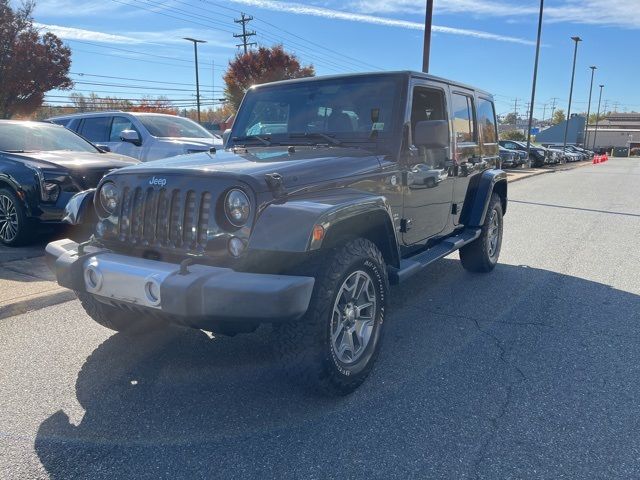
<point x="264" y="141"/>
<point x="15" y="151"/>
<point x="328" y="138"/>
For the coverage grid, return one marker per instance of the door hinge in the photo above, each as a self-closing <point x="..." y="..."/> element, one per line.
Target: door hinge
<point x="454" y="208"/>
<point x="405" y="225"/>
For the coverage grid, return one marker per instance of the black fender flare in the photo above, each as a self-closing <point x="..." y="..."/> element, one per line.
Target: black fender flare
<point x="27" y="196"/>
<point x="288" y="227"/>
<point x="490" y="181"/>
<point x="80" y="210"/>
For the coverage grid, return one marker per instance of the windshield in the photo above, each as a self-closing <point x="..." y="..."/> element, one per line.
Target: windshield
<point x="172" y="126"/>
<point x="40" y="137"/>
<point x="349" y="109"/>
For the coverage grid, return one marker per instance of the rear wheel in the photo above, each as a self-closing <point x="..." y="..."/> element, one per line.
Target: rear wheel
<point x="482" y="254"/>
<point x="118" y="319"/>
<point x="15" y="227"/>
<point x="334" y="346"/>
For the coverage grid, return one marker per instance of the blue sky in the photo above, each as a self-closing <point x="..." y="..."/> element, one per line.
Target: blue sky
<point x="487" y="43"/>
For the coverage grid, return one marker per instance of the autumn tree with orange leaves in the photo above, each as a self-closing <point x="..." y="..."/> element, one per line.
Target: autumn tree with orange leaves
<point x="261" y="66"/>
<point x="30" y="64"/>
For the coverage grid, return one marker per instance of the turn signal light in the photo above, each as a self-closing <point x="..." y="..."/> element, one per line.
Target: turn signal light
<point x="318" y="233"/>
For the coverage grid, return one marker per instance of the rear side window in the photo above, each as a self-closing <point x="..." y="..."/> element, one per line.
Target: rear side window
<point x="487" y="121"/>
<point x="462" y="115"/>
<point x="96" y="129"/>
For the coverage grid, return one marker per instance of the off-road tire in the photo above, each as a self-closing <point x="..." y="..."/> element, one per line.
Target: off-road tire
<point x="118" y="319"/>
<point x="305" y="346"/>
<point x="476" y="256"/>
<point x="26" y="226"/>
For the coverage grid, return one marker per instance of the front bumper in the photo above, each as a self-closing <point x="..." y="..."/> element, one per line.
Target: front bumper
<point x="196" y="296"/>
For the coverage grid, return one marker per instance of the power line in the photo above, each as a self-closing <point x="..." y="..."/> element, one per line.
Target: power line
<point x="82" y="74"/>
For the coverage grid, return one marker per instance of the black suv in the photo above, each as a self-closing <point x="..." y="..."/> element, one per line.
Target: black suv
<point x="329" y="189"/>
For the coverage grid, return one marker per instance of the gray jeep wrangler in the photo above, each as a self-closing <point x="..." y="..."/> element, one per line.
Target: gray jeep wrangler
<point x="328" y="190"/>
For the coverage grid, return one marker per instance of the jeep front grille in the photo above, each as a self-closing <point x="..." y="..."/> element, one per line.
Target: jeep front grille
<point x="165" y="218"/>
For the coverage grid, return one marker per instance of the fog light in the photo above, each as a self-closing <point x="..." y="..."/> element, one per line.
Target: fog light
<point x="236" y="246"/>
<point x="152" y="291"/>
<point x="93" y="278"/>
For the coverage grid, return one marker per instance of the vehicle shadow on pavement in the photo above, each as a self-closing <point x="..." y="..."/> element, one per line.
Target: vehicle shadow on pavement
<point x="486" y="376"/>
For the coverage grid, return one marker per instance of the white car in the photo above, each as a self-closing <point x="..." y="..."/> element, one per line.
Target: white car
<point x="145" y="136"/>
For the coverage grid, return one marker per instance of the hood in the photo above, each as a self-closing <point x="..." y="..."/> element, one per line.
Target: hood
<point x="205" y="143"/>
<point x="74" y="161"/>
<point x="305" y="166"/>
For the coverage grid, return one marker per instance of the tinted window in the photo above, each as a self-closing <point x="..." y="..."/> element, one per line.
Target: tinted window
<point x="40" y="137"/>
<point x="486" y="121"/>
<point x="96" y="129"/>
<point x="117" y="126"/>
<point x="353" y="109"/>
<point x="462" y="115"/>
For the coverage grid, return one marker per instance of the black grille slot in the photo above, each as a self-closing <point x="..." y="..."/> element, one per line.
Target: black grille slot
<point x="165" y="218"/>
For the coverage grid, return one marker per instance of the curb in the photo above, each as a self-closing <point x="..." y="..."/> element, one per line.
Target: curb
<point x="36" y="302"/>
<point x="541" y="172"/>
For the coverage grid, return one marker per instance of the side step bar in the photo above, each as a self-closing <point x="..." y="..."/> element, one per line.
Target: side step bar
<point x="412" y="265"/>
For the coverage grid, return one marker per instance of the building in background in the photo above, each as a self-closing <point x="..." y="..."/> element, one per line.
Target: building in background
<point x="555" y="134"/>
<point x="618" y="130"/>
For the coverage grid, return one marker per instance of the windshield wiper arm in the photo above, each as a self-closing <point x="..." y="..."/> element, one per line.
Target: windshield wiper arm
<point x="264" y="141"/>
<point x="15" y="151"/>
<point x="328" y="138"/>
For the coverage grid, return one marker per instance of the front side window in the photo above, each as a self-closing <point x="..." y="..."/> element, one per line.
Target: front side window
<point x="170" y="126"/>
<point x="462" y="115"/>
<point x="487" y="121"/>
<point x="40" y="137"/>
<point x="358" y="109"/>
<point x="96" y="129"/>
<point x="117" y="126"/>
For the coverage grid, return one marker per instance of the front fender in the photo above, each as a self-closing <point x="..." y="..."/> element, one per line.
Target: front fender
<point x="288" y="227"/>
<point x="484" y="189"/>
<point x="80" y="210"/>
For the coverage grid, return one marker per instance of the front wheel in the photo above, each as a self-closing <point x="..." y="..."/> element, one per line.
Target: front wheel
<point x="334" y="346"/>
<point x="482" y="254"/>
<point x="15" y="227"/>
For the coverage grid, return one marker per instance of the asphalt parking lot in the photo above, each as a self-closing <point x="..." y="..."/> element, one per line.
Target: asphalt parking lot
<point x="528" y="372"/>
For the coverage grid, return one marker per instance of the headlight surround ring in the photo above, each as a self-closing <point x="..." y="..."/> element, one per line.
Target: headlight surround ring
<point x="108" y="199"/>
<point x="237" y="207"/>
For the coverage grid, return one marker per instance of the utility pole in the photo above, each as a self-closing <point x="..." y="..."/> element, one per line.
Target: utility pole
<point x="244" y="19"/>
<point x="615" y="106"/>
<point x="595" y="134"/>
<point x="606" y="106"/>
<point x="426" y="49"/>
<point x="195" y="51"/>
<point x="544" y="112"/>
<point x="535" y="76"/>
<point x="586" y="127"/>
<point x="554" y="101"/>
<point x="515" y="111"/>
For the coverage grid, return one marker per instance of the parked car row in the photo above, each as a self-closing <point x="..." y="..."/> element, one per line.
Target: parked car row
<point x="540" y="155"/>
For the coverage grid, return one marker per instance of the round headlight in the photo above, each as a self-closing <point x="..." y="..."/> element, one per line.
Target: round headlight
<point x="109" y="194"/>
<point x="237" y="207"/>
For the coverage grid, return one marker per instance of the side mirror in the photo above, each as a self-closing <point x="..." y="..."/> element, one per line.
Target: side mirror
<point x="432" y="134"/>
<point x="103" y="148"/>
<point x="225" y="137"/>
<point x="130" y="136"/>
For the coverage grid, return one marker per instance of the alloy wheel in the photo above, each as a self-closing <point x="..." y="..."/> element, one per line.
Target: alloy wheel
<point x="353" y="317"/>
<point x="8" y="219"/>
<point x="494" y="234"/>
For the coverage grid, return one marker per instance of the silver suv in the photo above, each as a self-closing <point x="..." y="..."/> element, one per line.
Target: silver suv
<point x="145" y="136"/>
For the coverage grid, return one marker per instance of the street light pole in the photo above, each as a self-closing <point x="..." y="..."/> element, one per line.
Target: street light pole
<point x="426" y="50"/>
<point x="195" y="51"/>
<point x="573" y="75"/>
<point x="586" y="127"/>
<point x="595" y="134"/>
<point x="535" y="77"/>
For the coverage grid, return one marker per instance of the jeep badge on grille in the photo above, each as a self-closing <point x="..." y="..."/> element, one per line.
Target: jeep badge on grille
<point x="158" y="181"/>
